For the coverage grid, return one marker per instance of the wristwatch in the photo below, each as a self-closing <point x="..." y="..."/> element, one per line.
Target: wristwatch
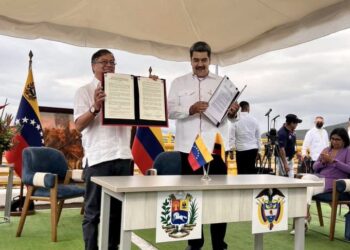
<point x="93" y="110"/>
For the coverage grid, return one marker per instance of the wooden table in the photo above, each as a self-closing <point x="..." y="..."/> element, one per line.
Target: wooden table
<point x="225" y="199"/>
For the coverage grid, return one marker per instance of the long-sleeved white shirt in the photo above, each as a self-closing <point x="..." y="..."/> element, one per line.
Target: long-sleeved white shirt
<point x="315" y="140"/>
<point x="101" y="143"/>
<point x="245" y="133"/>
<point x="184" y="92"/>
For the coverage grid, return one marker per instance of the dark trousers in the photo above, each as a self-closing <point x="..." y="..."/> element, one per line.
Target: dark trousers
<point x="92" y="201"/>
<point x="218" y="230"/>
<point x="246" y="161"/>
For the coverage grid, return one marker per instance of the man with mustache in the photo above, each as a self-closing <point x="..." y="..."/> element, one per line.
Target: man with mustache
<point x="316" y="139"/>
<point x="107" y="150"/>
<point x="188" y="99"/>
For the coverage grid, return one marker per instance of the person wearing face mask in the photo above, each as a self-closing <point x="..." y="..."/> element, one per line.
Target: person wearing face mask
<point x="316" y="139"/>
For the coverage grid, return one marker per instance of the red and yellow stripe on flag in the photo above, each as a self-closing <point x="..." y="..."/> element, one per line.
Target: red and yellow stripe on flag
<point x="219" y="146"/>
<point x="29" y="117"/>
<point x="199" y="155"/>
<point x="147" y="145"/>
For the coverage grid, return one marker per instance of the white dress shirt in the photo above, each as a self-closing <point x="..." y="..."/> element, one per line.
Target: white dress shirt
<point x="245" y="133"/>
<point x="101" y="143"/>
<point x="184" y="92"/>
<point x="315" y="140"/>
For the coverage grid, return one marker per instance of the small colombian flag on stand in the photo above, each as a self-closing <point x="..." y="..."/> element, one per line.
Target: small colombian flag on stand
<point x="199" y="155"/>
<point x="219" y="146"/>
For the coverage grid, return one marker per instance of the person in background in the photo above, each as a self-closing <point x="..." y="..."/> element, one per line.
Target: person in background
<point x="316" y="139"/>
<point x="188" y="99"/>
<point x="332" y="164"/>
<point x="245" y="138"/>
<point x="349" y="127"/>
<point x="287" y="145"/>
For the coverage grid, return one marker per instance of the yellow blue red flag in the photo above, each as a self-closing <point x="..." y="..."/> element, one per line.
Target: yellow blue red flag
<point x="219" y="146"/>
<point x="29" y="117"/>
<point x="199" y="155"/>
<point x="147" y="145"/>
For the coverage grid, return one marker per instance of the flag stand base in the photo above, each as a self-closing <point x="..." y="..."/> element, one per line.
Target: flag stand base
<point x="18" y="202"/>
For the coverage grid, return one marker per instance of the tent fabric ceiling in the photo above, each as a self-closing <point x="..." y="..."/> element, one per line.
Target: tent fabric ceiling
<point x="236" y="29"/>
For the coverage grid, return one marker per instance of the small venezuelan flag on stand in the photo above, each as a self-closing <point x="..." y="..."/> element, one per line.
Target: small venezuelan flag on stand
<point x="199" y="155"/>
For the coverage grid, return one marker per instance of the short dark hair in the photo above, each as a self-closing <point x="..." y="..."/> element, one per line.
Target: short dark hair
<point x="244" y="105"/>
<point x="343" y="134"/>
<point x="200" y="47"/>
<point x="100" y="53"/>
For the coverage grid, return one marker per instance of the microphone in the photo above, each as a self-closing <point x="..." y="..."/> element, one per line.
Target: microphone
<point x="268" y="112"/>
<point x="275" y="117"/>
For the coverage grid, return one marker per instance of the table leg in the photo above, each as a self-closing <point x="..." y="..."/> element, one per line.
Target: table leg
<point x="125" y="236"/>
<point x="104" y="220"/>
<point x="299" y="237"/>
<point x="259" y="241"/>
<point x="7" y="210"/>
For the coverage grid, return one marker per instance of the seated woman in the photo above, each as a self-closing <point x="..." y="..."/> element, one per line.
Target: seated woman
<point x="333" y="164"/>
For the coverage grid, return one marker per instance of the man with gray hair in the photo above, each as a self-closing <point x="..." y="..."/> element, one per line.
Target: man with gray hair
<point x="316" y="139"/>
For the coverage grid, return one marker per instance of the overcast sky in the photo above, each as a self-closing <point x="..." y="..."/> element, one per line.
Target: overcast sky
<point x="308" y="80"/>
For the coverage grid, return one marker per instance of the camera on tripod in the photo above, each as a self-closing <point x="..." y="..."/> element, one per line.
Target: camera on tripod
<point x="272" y="136"/>
<point x="271" y="148"/>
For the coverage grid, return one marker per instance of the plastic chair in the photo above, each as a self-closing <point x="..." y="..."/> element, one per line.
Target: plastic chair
<point x="339" y="195"/>
<point x="45" y="173"/>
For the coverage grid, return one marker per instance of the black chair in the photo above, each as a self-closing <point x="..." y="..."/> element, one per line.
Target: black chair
<point x="339" y="195"/>
<point x="46" y="175"/>
<point x="168" y="163"/>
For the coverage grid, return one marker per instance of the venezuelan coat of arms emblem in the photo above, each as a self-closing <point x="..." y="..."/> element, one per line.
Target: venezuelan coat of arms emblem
<point x="179" y="214"/>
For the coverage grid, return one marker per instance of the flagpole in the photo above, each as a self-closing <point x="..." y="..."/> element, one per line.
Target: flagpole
<point x="21" y="197"/>
<point x="2" y="112"/>
<point x="30" y="59"/>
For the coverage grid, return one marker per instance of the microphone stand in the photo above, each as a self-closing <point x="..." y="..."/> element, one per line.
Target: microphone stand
<point x="268" y="122"/>
<point x="274" y="120"/>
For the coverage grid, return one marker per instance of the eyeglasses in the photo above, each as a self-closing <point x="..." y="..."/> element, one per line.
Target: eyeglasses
<point x="105" y="63"/>
<point x="336" y="139"/>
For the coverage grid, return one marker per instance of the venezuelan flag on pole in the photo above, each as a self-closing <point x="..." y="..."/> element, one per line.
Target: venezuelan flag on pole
<point x="219" y="146"/>
<point x="199" y="155"/>
<point x="29" y="117"/>
<point x="148" y="143"/>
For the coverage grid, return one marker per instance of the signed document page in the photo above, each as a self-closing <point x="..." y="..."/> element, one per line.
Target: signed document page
<point x="119" y="103"/>
<point x="152" y="99"/>
<point x="224" y="95"/>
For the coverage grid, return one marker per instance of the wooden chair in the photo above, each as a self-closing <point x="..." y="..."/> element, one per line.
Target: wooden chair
<point x="46" y="175"/>
<point x="339" y="195"/>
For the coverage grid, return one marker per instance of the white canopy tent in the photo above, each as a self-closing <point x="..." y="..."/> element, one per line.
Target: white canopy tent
<point x="236" y="29"/>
